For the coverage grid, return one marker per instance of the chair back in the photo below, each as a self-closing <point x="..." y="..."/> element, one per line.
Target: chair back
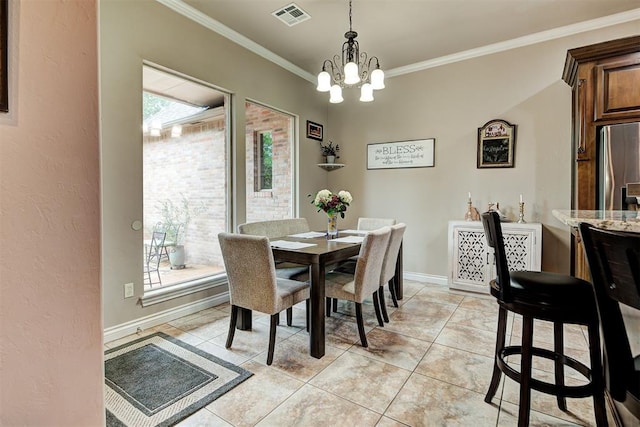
<point x="275" y="228"/>
<point x="501" y="285"/>
<point x="391" y="255"/>
<point x="614" y="262"/>
<point x="155" y="249"/>
<point x="374" y="223"/>
<point x="251" y="272"/>
<point x="369" y="264"/>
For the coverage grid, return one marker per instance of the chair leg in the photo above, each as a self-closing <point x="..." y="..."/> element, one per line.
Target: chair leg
<point x="363" y="337"/>
<point x="558" y="348"/>
<point x="232" y="325"/>
<point x="335" y="305"/>
<point x="597" y="380"/>
<point x="500" y="339"/>
<point x="289" y="316"/>
<point x="383" y="305"/>
<point x="525" y="373"/>
<point x="376" y="306"/>
<point x="308" y="316"/>
<point x="392" y="290"/>
<point x="272" y="337"/>
<point x="328" y="307"/>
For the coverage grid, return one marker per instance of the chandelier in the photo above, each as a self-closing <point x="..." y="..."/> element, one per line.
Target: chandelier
<point x="353" y="68"/>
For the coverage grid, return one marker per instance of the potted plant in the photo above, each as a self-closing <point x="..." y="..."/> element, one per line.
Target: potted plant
<point x="330" y="151"/>
<point x="175" y="220"/>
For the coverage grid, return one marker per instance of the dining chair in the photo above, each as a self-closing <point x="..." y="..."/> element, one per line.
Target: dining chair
<point x="366" y="279"/>
<point x="153" y="254"/>
<point x="557" y="298"/>
<point x="349" y="266"/>
<point x="279" y="228"/>
<point x="374" y="223"/>
<point x="614" y="262"/>
<point x="388" y="271"/>
<point x="253" y="284"/>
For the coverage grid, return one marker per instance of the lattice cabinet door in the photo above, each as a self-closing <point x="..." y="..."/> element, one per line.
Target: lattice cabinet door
<point x="471" y="262"/>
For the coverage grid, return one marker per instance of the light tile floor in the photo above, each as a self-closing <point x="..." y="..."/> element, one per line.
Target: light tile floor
<point x="430" y="366"/>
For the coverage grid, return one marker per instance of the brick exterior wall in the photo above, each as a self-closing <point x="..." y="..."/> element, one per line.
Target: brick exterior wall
<point x="275" y="203"/>
<point x="192" y="165"/>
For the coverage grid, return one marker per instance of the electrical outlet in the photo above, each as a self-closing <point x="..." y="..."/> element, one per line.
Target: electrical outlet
<point x="128" y="290"/>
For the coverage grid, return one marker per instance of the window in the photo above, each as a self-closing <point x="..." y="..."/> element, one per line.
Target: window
<point x="264" y="160"/>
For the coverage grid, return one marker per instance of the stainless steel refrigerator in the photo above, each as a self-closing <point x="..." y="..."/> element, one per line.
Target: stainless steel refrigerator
<point x="619" y="165"/>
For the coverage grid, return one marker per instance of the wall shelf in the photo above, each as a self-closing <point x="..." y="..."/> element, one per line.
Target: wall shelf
<point x="331" y="166"/>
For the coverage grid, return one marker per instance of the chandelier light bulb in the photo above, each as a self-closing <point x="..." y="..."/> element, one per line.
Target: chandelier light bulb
<point x="351" y="76"/>
<point x="366" y="93"/>
<point x="324" y="82"/>
<point x="377" y="79"/>
<point x="335" y="95"/>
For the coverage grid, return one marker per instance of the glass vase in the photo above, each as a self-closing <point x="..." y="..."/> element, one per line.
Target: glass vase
<point x="332" y="226"/>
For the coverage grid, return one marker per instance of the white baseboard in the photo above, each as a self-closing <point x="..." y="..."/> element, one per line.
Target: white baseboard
<point x="155" y="319"/>
<point x="426" y="278"/>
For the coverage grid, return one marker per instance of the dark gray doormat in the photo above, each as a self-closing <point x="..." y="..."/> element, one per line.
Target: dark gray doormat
<point x="159" y="380"/>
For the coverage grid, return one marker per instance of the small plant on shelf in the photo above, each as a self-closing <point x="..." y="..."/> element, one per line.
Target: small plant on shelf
<point x="330" y="150"/>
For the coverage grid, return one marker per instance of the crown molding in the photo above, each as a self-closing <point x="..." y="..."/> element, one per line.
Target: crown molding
<point x="594" y="24"/>
<point x="543" y="36"/>
<point x="216" y="26"/>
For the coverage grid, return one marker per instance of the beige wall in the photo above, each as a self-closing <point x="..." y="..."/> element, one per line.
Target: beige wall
<point x="133" y="31"/>
<point x="50" y="311"/>
<point x="449" y="103"/>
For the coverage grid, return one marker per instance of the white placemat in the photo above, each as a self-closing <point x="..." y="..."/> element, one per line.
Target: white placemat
<point x="363" y="232"/>
<point x="349" y="239"/>
<point x="308" y="235"/>
<point x="285" y="244"/>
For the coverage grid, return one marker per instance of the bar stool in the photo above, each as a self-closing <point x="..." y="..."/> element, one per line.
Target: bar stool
<point x="552" y="297"/>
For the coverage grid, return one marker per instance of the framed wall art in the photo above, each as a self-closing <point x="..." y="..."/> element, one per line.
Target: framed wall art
<point x="418" y="153"/>
<point x="314" y="130"/>
<point x="4" y="66"/>
<point x="496" y="144"/>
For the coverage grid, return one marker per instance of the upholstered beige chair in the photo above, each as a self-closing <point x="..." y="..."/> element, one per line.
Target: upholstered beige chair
<point x="279" y="228"/>
<point x="366" y="279"/>
<point x="388" y="272"/>
<point x="374" y="223"/>
<point x="253" y="284"/>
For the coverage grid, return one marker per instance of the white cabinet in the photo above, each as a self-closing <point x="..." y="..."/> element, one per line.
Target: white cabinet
<point x="471" y="263"/>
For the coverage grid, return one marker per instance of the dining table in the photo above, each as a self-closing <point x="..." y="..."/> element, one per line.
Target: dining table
<point x="317" y="251"/>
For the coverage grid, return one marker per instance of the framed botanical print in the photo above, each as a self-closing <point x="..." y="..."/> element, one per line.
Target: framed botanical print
<point x="496" y="145"/>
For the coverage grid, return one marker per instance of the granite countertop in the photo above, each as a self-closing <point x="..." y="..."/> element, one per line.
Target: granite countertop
<point x="607" y="220"/>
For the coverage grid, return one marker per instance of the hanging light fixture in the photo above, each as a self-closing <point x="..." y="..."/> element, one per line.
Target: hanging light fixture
<point x="351" y="69"/>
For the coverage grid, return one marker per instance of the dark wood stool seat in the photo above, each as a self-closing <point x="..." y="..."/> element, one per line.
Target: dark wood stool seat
<point x="557" y="298"/>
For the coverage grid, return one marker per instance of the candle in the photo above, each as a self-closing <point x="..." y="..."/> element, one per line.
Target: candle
<point x="469" y="196"/>
<point x="521" y="198"/>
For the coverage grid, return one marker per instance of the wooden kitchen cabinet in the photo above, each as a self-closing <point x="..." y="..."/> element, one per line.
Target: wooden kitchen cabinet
<point x="605" y="79"/>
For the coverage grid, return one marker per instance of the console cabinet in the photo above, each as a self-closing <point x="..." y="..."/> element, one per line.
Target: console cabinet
<point x="471" y="261"/>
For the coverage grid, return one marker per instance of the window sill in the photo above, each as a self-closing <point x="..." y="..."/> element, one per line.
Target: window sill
<point x="182" y="289"/>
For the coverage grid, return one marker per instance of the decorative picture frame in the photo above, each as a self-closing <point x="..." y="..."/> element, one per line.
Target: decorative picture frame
<point x="417" y="153"/>
<point x="314" y="130"/>
<point x="4" y="65"/>
<point x="496" y="145"/>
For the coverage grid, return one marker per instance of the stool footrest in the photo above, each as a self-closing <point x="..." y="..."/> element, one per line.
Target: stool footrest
<point x="582" y="390"/>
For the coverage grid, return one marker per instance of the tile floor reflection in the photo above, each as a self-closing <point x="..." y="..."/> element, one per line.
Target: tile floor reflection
<point x="430" y="366"/>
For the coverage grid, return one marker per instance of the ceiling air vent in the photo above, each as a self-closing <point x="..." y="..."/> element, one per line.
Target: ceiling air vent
<point x="291" y="14"/>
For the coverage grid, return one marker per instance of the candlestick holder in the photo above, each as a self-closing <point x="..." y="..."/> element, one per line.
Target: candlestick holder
<point x="469" y="215"/>
<point x="521" y="217"/>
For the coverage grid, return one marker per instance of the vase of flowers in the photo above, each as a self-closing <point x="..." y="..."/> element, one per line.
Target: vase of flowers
<point x="333" y="205"/>
<point x="330" y="152"/>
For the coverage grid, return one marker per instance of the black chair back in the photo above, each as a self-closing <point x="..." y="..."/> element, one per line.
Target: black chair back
<point x="500" y="287"/>
<point x="614" y="261"/>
